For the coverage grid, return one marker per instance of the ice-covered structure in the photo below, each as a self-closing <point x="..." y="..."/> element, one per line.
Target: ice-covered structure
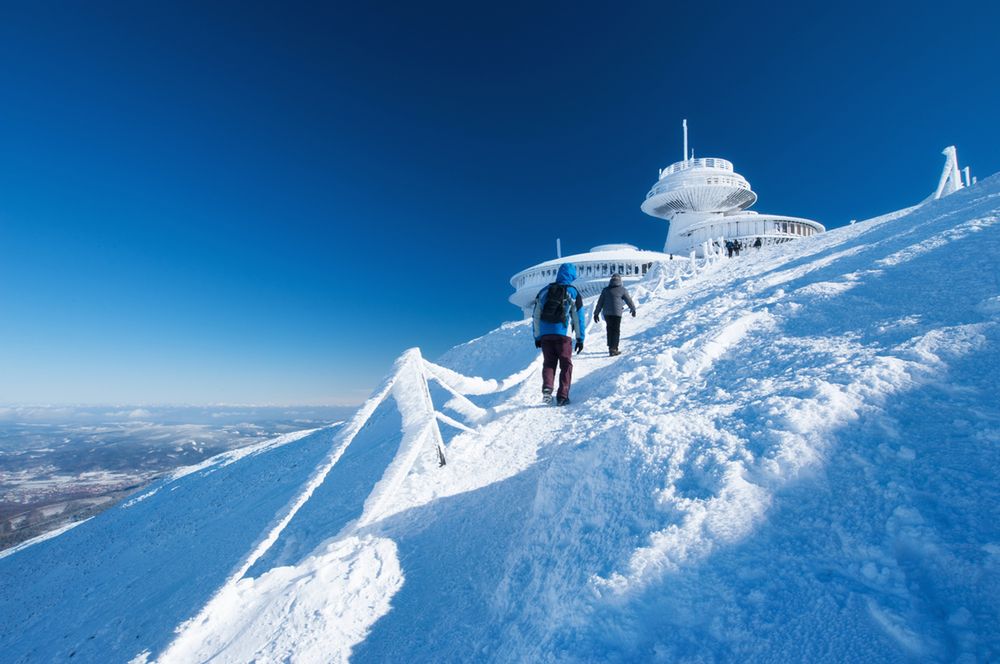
<point x="951" y="175"/>
<point x="705" y="199"/>
<point x="795" y="461"/>
<point x="705" y="202"/>
<point x="594" y="269"/>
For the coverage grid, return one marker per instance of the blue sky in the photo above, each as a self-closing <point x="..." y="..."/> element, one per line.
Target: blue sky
<point x="238" y="203"/>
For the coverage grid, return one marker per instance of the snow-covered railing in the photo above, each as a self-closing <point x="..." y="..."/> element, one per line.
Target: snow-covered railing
<point x="598" y="268"/>
<point x="702" y="162"/>
<point x="409" y="386"/>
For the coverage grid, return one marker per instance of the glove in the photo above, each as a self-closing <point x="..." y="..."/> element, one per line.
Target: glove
<point x="579" y="346"/>
<point x="633" y="313"/>
<point x="538" y="343"/>
<point x="597" y="318"/>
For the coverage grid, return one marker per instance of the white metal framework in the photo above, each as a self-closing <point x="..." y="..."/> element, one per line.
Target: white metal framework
<point x="951" y="176"/>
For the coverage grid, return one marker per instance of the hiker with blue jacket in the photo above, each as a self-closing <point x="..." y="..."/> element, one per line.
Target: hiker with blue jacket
<point x="610" y="304"/>
<point x="558" y="319"/>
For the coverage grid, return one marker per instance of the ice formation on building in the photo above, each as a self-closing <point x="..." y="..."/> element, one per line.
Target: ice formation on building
<point x="705" y="199"/>
<point x="594" y="269"/>
<point x="705" y="202"/>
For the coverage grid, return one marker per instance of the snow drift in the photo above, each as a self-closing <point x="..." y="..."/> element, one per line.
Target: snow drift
<point x="794" y="460"/>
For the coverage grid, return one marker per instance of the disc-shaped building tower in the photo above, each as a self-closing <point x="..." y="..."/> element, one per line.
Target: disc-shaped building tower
<point x="705" y="200"/>
<point x="593" y="268"/>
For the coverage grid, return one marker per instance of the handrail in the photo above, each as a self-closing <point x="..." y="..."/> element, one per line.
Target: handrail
<point x="539" y="276"/>
<point x="665" y="187"/>
<point x="701" y="162"/>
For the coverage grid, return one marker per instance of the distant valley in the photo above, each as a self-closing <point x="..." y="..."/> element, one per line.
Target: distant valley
<point x="63" y="465"/>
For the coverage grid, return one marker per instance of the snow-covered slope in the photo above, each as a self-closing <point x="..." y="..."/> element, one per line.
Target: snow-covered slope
<point x="795" y="459"/>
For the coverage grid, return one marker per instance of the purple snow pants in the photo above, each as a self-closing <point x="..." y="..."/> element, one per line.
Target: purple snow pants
<point x="557" y="350"/>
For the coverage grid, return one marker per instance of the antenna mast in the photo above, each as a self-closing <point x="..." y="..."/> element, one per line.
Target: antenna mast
<point x="685" y="125"/>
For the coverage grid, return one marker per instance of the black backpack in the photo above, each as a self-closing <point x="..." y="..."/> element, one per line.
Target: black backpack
<point x="554" y="309"/>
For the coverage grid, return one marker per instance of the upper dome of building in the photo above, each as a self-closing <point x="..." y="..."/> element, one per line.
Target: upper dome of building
<point x="621" y="246"/>
<point x="698" y="185"/>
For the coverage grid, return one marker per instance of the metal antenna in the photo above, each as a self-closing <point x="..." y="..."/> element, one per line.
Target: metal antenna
<point x="685" y="125"/>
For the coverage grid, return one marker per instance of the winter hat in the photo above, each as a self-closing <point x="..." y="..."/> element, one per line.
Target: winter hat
<point x="616" y="280"/>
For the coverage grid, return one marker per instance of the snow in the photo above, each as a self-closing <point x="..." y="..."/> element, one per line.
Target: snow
<point x="121" y="582"/>
<point x="313" y="611"/>
<point x="41" y="538"/>
<point x="793" y="460"/>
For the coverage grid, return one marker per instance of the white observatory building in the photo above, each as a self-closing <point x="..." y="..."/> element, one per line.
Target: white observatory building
<point x="593" y="270"/>
<point x="705" y="200"/>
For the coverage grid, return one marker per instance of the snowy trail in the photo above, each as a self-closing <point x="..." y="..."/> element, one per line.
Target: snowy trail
<point x="664" y="416"/>
<point x="792" y="460"/>
<point x="256" y="607"/>
<point x="723" y="403"/>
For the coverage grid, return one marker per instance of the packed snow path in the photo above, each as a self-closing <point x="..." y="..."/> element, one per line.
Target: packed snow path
<point x="793" y="460"/>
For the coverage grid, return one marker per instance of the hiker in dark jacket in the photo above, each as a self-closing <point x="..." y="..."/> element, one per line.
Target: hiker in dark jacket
<point x="553" y="326"/>
<point x="610" y="304"/>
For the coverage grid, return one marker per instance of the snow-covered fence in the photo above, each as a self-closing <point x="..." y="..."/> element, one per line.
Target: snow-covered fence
<point x="409" y="385"/>
<point x="664" y="275"/>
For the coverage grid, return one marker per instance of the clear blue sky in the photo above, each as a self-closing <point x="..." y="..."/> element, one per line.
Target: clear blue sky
<point x="228" y="202"/>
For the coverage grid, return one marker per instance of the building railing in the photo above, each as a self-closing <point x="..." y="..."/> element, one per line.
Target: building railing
<point x="662" y="187"/>
<point x="757" y="226"/>
<point x="584" y="271"/>
<point x="704" y="162"/>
